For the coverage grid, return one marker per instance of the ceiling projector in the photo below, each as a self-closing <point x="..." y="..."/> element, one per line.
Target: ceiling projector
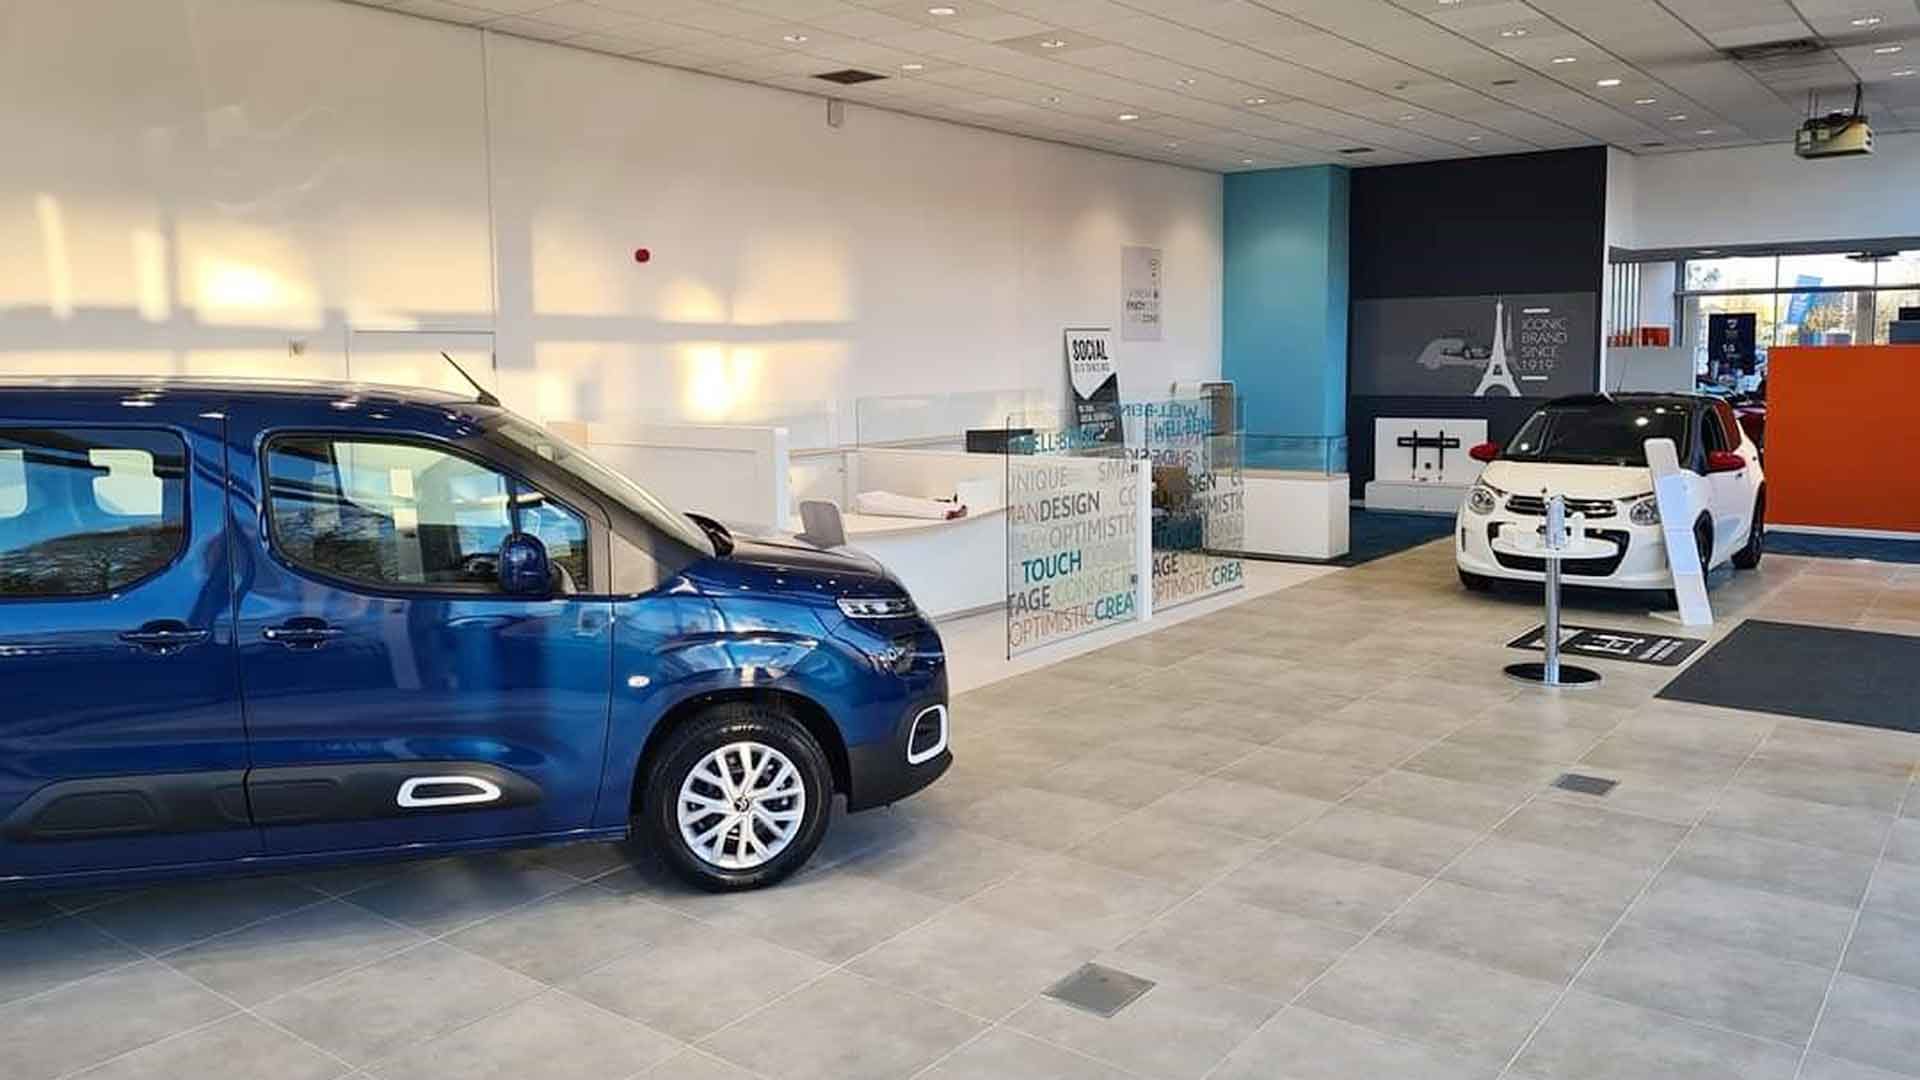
<point x="1837" y="134"/>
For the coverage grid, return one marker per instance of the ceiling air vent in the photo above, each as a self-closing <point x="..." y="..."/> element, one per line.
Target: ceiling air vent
<point x="1357" y="150"/>
<point x="849" y="76"/>
<point x="1775" y="50"/>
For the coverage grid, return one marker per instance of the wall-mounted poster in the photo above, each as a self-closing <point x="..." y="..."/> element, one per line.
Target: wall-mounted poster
<point x="1522" y="345"/>
<point x="1140" y="294"/>
<point x="1731" y="347"/>
<point x="1095" y="382"/>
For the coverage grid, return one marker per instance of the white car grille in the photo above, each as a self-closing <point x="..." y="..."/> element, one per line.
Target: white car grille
<point x="1535" y="506"/>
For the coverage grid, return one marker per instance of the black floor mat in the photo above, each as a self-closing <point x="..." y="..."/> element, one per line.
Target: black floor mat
<point x="1819" y="672"/>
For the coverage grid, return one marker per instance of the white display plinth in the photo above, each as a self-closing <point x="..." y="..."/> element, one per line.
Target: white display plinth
<point x="1416" y="498"/>
<point x="1299" y="515"/>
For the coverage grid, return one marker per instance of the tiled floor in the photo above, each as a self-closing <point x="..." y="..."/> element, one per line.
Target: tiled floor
<point x="1317" y="819"/>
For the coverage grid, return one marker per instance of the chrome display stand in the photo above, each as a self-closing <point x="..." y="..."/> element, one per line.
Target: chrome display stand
<point x="1557" y="545"/>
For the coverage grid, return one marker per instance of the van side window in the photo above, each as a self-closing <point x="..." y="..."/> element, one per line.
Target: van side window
<point x="88" y="511"/>
<point x="408" y="516"/>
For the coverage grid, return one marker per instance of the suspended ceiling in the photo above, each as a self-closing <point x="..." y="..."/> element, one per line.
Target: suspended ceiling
<point x="1247" y="84"/>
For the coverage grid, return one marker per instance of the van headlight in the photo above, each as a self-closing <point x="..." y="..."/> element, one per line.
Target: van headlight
<point x="1645" y="512"/>
<point x="1483" y="499"/>
<point x="875" y="607"/>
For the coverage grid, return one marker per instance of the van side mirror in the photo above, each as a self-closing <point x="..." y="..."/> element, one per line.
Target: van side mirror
<point x="1486" y="451"/>
<point x="525" y="569"/>
<point x="1724" y="461"/>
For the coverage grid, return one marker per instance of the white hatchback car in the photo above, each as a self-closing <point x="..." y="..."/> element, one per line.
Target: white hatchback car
<point x="1591" y="449"/>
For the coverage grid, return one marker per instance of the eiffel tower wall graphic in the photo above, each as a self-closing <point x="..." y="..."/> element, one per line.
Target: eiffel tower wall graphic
<point x="1492" y="347"/>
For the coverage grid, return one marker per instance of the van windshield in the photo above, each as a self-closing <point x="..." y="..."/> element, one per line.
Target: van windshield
<point x="550" y="447"/>
<point x="1611" y="433"/>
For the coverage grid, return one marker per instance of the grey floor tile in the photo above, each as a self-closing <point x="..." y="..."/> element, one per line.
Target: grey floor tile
<point x="672" y="987"/>
<point x="1253" y="722"/>
<point x="941" y="861"/>
<point x="1543" y="744"/>
<point x="554" y="1036"/>
<point x="572" y="932"/>
<point x="175" y="915"/>
<point x="1091" y="904"/>
<point x="1117" y="780"/>
<point x="1734" y="989"/>
<point x="1477" y="766"/>
<point x="1885" y="947"/>
<point x="444" y="896"/>
<point x="1002" y="1053"/>
<point x="588" y="861"/>
<point x="1326" y="888"/>
<point x="1692" y="727"/>
<point x="1186" y="749"/>
<point x="1895" y="889"/>
<point x="1300" y="1044"/>
<point x="1368" y="745"/>
<point x="1596" y="1038"/>
<point x="1594" y="831"/>
<point x="1038" y="819"/>
<point x="1861" y="791"/>
<point x="826" y="914"/>
<point x="697" y="1065"/>
<point x="1267" y="952"/>
<point x="238" y="1046"/>
<point x="983" y="966"/>
<point x="1871" y="1022"/>
<point x="1415" y="847"/>
<point x="372" y="1012"/>
<point x="1802" y="821"/>
<point x="1248" y="809"/>
<point x="293" y="950"/>
<point x="1843" y="746"/>
<point x="18" y="912"/>
<point x="1470" y="1009"/>
<point x="85" y="1023"/>
<point x="1523" y="935"/>
<point x="1834" y="877"/>
<point x="1668" y="797"/>
<point x="1166" y="848"/>
<point x="1317" y="776"/>
<point x="1178" y="1030"/>
<point x="1630" y="753"/>
<point x="1438" y="800"/>
<point x="1407" y="718"/>
<point x="39" y="956"/>
<point x="844" y="1027"/>
<point x="1685" y="905"/>
<point x="1903" y="842"/>
<point x="1822" y="1067"/>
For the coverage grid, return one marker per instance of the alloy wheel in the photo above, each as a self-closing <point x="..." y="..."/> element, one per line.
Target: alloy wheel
<point x="741" y="805"/>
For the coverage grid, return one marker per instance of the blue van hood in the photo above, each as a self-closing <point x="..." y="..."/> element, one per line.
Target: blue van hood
<point x="798" y="556"/>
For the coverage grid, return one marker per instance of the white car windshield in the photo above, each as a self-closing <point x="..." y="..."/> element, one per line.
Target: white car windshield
<point x="1603" y="433"/>
<point x="550" y="447"/>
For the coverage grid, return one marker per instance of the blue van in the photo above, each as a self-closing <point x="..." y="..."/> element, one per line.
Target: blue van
<point x="265" y="625"/>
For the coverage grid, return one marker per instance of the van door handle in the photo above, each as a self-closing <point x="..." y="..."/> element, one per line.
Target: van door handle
<point x="164" y="636"/>
<point x="301" y="633"/>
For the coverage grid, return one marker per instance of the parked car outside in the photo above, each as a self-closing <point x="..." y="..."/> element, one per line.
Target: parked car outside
<point x="1591" y="450"/>
<point x="262" y="626"/>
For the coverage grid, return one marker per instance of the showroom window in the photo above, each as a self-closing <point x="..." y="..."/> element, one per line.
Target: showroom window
<point x="1820" y="298"/>
<point x="90" y="511"/>
<point x="409" y="516"/>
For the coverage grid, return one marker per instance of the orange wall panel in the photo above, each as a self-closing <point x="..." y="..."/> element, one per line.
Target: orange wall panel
<point x="1843" y="436"/>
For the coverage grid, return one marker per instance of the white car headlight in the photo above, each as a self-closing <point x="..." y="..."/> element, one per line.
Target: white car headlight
<point x="1645" y="512"/>
<point x="1482" y="499"/>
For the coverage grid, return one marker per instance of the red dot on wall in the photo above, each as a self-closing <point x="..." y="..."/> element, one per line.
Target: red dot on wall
<point x="641" y="255"/>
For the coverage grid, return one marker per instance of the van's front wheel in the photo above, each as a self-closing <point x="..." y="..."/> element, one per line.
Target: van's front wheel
<point x="738" y="798"/>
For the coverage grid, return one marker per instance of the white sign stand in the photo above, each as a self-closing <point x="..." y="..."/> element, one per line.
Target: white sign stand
<point x="1559" y="539"/>
<point x="1676" y="522"/>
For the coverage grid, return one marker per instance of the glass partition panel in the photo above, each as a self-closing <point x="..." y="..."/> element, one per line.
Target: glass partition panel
<point x="1199" y="510"/>
<point x="1324" y="455"/>
<point x="1073" y="503"/>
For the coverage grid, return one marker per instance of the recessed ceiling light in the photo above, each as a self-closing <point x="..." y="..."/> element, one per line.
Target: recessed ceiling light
<point x="1514" y="32"/>
<point x="1051" y="99"/>
<point x="1256" y="101"/>
<point x="1171" y="145"/>
<point x="795" y="39"/>
<point x="1246" y="161"/>
<point x="1053" y="43"/>
<point x="943" y="11"/>
<point x="913" y="67"/>
<point x="1705" y="131"/>
<point x="1448" y="3"/>
<point x="1607" y="84"/>
<point x="1867" y="20"/>
<point x="1645" y="101"/>
<point x="1407" y="118"/>
<point x="1473" y="138"/>
<point x="1186" y="82"/>
<point x="1677" y="117"/>
<point x="1566" y="59"/>
<point x="1903" y="73"/>
<point x="1128" y="116"/>
<point x="1888" y="50"/>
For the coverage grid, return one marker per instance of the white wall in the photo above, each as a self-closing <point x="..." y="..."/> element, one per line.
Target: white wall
<point x="191" y="185"/>
<point x="1764" y="194"/>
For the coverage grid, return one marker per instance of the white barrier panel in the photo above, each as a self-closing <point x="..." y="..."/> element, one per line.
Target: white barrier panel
<point x="1677" y="513"/>
<point x="736" y="475"/>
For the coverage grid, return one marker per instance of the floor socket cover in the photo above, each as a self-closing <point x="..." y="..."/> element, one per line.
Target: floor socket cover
<point x="1102" y="991"/>
<point x="1585" y="785"/>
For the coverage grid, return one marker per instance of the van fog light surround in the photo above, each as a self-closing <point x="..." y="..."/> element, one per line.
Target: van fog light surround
<point x="1645" y="512"/>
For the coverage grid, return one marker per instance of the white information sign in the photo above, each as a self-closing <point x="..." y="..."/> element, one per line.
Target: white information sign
<point x="1140" y="294"/>
<point x="1676" y="523"/>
